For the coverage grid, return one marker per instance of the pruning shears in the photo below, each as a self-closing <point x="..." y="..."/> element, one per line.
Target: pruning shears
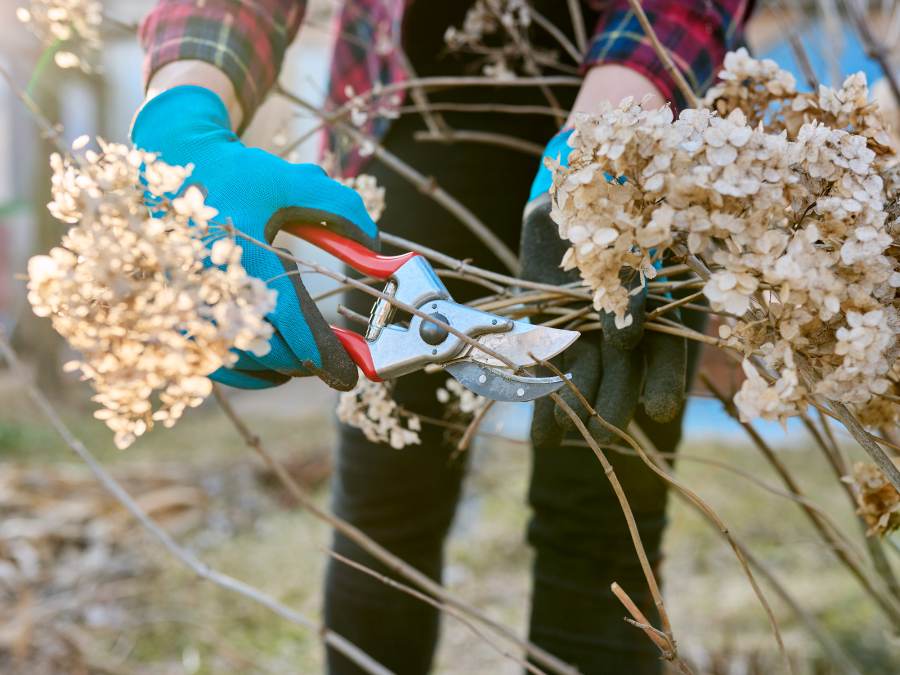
<point x="392" y="349"/>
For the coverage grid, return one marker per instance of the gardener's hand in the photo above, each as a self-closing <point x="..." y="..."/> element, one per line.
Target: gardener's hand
<point x="258" y="193"/>
<point x="614" y="368"/>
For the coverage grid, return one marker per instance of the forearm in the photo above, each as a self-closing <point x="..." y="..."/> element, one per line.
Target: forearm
<point x="611" y="83"/>
<point x="696" y="33"/>
<point x="202" y="74"/>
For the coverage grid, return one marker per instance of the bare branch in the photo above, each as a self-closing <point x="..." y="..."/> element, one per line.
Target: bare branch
<point x="664" y="55"/>
<point x="578" y="25"/>
<point x="486" y="137"/>
<point x="659" y="638"/>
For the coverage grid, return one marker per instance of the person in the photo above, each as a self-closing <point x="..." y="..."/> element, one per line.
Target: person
<point x="210" y="63"/>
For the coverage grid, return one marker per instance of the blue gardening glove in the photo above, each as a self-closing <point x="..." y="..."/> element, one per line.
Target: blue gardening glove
<point x="614" y="368"/>
<point x="258" y="193"/>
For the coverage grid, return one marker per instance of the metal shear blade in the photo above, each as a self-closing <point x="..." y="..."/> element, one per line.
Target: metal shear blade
<point x="524" y="345"/>
<point x="499" y="385"/>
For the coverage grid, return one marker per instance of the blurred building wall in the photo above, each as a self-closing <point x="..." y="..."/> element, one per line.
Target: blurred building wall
<point x="104" y="105"/>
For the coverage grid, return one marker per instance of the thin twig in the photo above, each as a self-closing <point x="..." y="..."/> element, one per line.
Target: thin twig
<point x="673" y="305"/>
<point x="434" y="122"/>
<point x="48" y="129"/>
<point x="664" y="55"/>
<point x="472" y="428"/>
<point x="659" y="638"/>
<point x="427" y="599"/>
<point x="874" y="50"/>
<point x="610" y="472"/>
<point x="502" y="108"/>
<point x="864" y="438"/>
<point x="827" y="443"/>
<point x="578" y="25"/>
<point x="557" y="34"/>
<point x="798" y="49"/>
<point x="349" y="314"/>
<point x="446" y="82"/>
<point x="486" y="137"/>
<point x="464" y="267"/>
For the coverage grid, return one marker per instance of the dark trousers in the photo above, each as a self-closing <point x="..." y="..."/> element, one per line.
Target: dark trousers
<point x="405" y="499"/>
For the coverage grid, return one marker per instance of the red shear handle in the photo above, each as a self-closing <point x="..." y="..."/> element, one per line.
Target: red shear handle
<point x="351" y="252"/>
<point x="358" y="349"/>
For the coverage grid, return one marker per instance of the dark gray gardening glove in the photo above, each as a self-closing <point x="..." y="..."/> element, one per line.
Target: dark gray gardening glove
<point x="615" y="369"/>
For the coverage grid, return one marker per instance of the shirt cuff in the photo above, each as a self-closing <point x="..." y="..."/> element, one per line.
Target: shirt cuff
<point x="696" y="34"/>
<point x="224" y="34"/>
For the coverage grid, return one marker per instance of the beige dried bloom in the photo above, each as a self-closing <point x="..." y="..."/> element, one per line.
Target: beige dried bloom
<point x="460" y="400"/>
<point x="461" y="407"/>
<point x="130" y="290"/>
<point x="878" y="502"/>
<point x="371" y="408"/>
<point x="71" y="25"/>
<point x="789" y="200"/>
<point x="371" y="192"/>
<point x="486" y="18"/>
<point x="496" y="31"/>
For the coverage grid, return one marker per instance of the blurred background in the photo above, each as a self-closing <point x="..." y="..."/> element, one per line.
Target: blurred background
<point x="83" y="591"/>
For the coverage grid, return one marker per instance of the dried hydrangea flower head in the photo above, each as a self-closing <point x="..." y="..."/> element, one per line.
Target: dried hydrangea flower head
<point x="72" y="25"/>
<point x="877" y="500"/>
<point x="783" y="197"/>
<point x="370" y="407"/>
<point x="461" y="407"/>
<point x="149" y="307"/>
<point x="460" y="401"/>
<point x="371" y="192"/>
<point x="497" y="32"/>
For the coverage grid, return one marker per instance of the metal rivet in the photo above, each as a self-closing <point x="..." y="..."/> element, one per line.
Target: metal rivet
<point x="434" y="351"/>
<point x="482" y="379"/>
<point x="494" y="322"/>
<point x="430" y="332"/>
<point x="520" y="392"/>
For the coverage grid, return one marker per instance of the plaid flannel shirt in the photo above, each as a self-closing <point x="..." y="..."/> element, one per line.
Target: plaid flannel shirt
<point x="247" y="40"/>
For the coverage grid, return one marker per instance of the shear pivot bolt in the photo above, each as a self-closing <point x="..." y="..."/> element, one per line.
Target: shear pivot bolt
<point x="431" y="332"/>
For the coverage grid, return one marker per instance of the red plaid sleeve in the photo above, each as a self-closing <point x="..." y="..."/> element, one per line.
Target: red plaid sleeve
<point x="697" y="33"/>
<point x="246" y="39"/>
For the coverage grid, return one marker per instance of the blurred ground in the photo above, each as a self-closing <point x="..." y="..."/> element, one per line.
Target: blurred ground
<point x="93" y="596"/>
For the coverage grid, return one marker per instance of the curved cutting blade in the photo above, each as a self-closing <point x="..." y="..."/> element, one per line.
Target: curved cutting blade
<point x="521" y="342"/>
<point x="498" y="385"/>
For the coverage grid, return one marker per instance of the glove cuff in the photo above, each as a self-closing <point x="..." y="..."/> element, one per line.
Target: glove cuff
<point x="183" y="109"/>
<point x="558" y="150"/>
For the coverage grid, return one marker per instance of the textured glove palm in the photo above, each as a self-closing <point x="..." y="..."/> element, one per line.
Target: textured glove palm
<point x="258" y="193"/>
<point x="614" y="368"/>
